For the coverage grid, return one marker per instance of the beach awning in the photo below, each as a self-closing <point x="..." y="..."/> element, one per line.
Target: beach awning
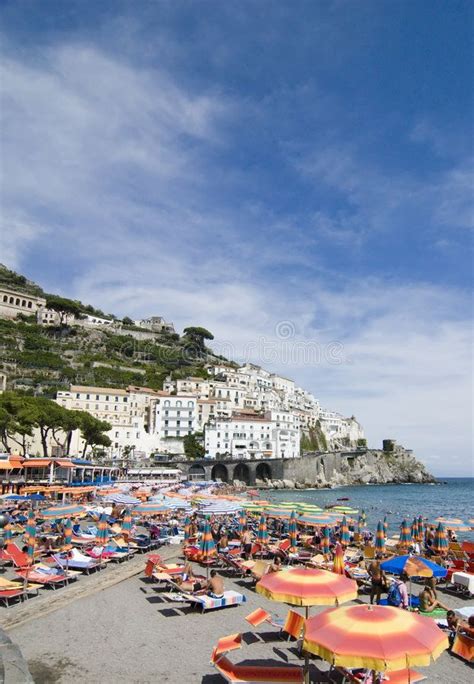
<point x="8" y="465"/>
<point x="37" y="463"/>
<point x="63" y="463"/>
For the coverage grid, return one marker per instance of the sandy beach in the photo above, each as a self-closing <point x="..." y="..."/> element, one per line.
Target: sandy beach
<point x="132" y="632"/>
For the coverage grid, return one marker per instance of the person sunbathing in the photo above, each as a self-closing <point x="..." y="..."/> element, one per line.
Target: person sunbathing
<point x="275" y="565"/>
<point x="215" y="586"/>
<point x="429" y="600"/>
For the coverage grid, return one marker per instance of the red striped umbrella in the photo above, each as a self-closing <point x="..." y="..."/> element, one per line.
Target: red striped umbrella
<point x="207" y="548"/>
<point x="307" y="587"/>
<point x="262" y="533"/>
<point x="338" y="567"/>
<point x="373" y="637"/>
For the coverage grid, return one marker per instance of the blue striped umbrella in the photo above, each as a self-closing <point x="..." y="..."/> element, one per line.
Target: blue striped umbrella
<point x="242" y="522"/>
<point x="326" y="541"/>
<point x="31" y="532"/>
<point x="440" y="542"/>
<point x="67" y="535"/>
<point x="127" y="522"/>
<point x="405" y="534"/>
<point x="30" y="524"/>
<point x="62" y="511"/>
<point x="345" y="537"/>
<point x="187" y="526"/>
<point x="262" y="532"/>
<point x="102" y="531"/>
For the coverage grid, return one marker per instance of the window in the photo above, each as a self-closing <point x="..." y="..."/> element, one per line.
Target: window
<point x="88" y="396"/>
<point x="190" y="422"/>
<point x="138" y="435"/>
<point x="178" y="413"/>
<point x="166" y="403"/>
<point x="128" y="435"/>
<point x="116" y="398"/>
<point x="178" y="422"/>
<point x="177" y="433"/>
<point x="115" y="408"/>
<point x="5" y="298"/>
<point x="23" y="302"/>
<point x="166" y="422"/>
<point x="78" y="396"/>
<point x="97" y="397"/>
<point x="30" y="304"/>
<point x="190" y="403"/>
<point x="125" y="399"/>
<point x="116" y="434"/>
<point x="17" y="302"/>
<point x="166" y="433"/>
<point x="97" y="407"/>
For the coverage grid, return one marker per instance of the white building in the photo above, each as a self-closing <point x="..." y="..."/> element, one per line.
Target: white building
<point x="13" y="303"/>
<point x="175" y="416"/>
<point x="252" y="436"/>
<point x="155" y="324"/>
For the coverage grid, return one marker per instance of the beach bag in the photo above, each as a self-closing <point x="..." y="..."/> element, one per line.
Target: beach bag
<point x="394" y="596"/>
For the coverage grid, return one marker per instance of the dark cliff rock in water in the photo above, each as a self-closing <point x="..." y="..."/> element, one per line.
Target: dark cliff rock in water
<point x="353" y="468"/>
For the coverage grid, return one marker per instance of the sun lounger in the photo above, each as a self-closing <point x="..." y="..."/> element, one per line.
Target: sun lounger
<point x="78" y="561"/>
<point x="17" y="557"/>
<point x="7" y="595"/>
<point x="237" y="565"/>
<point x="205" y="602"/>
<point x="40" y="577"/>
<point x="250" y="674"/>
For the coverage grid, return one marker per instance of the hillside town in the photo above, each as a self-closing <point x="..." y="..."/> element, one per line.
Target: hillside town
<point x="232" y="412"/>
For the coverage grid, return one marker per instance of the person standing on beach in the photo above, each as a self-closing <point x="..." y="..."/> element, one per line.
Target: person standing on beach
<point x="247" y="543"/>
<point x="378" y="581"/>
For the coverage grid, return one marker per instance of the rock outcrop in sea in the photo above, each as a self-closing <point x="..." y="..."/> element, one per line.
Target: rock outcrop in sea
<point x="353" y="468"/>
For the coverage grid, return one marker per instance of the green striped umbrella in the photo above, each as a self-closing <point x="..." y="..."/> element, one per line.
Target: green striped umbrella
<point x="326" y="541"/>
<point x="30" y="524"/>
<point x="127" y="522"/>
<point x="440" y="542"/>
<point x="31" y="534"/>
<point x="405" y="534"/>
<point x="67" y="535"/>
<point x="293" y="533"/>
<point x="102" y="532"/>
<point x="380" y="537"/>
<point x="262" y="532"/>
<point x="420" y="533"/>
<point x="242" y="522"/>
<point x="345" y="537"/>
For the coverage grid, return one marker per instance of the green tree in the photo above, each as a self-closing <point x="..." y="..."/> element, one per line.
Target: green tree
<point x="64" y="307"/>
<point x="49" y="417"/>
<point x="16" y="423"/>
<point x="93" y="431"/>
<point x="194" y="339"/>
<point x="193" y="448"/>
<point x="127" y="321"/>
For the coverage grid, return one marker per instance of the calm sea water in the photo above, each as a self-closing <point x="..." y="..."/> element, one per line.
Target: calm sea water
<point x="452" y="500"/>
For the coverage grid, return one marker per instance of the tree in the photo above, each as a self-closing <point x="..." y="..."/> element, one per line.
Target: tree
<point x="49" y="417"/>
<point x="193" y="339"/>
<point x="127" y="321"/>
<point x="16" y="423"/>
<point x="193" y="447"/>
<point x="93" y="431"/>
<point x="64" y="307"/>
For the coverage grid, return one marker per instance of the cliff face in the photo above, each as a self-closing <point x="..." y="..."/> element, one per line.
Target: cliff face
<point x="358" y="468"/>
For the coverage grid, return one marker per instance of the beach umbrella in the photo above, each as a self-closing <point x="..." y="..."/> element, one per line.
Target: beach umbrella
<point x="307" y="587"/>
<point x="405" y="534"/>
<point x="338" y="566"/>
<point x="292" y="532"/>
<point x="207" y="548"/>
<point x="62" y="511"/>
<point x="281" y="513"/>
<point x="31" y="535"/>
<point x="262" y="532"/>
<point x="420" y="533"/>
<point x="152" y="508"/>
<point x="379" y="538"/>
<point x="187" y="527"/>
<point x="345" y="538"/>
<point x="315" y="520"/>
<point x="122" y="499"/>
<point x="325" y="541"/>
<point x="242" y="522"/>
<point x="377" y="638"/>
<point x="307" y="508"/>
<point x="414" y="529"/>
<point x="30" y="524"/>
<point x="440" y="542"/>
<point x="413" y="566"/>
<point x="127" y="522"/>
<point x="67" y="535"/>
<point x="102" y="530"/>
<point x="7" y="533"/>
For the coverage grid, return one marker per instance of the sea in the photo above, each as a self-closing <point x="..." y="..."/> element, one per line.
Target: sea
<point x="450" y="498"/>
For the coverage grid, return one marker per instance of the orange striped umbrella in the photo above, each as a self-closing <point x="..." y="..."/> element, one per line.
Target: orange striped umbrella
<point x="207" y="548"/>
<point x="338" y="567"/>
<point x="440" y="542"/>
<point x="374" y="637"/>
<point x="307" y="587"/>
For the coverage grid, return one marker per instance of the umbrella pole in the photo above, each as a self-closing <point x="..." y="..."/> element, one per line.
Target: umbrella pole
<point x="306" y="654"/>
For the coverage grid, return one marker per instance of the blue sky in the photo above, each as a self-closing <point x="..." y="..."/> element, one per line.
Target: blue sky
<point x="297" y="177"/>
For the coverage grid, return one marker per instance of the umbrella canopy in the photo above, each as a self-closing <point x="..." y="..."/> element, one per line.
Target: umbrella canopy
<point x="315" y="520"/>
<point x="405" y="534"/>
<point x="292" y="532"/>
<point x="122" y="499"/>
<point x="282" y="513"/>
<point x="151" y="509"/>
<point x="62" y="511"/>
<point x="127" y="522"/>
<point x="374" y="637"/>
<point x="414" y="566"/>
<point x="440" y="542"/>
<point x="207" y="548"/>
<point x="345" y="537"/>
<point x="420" y="533"/>
<point x="338" y="567"/>
<point x="325" y="541"/>
<point x="15" y="497"/>
<point x="30" y="525"/>
<point x="31" y="533"/>
<point x="380" y="537"/>
<point x="307" y="587"/>
<point x="102" y="531"/>
<point x="242" y="521"/>
<point x="67" y="535"/>
<point x="262" y="533"/>
<point x="36" y="497"/>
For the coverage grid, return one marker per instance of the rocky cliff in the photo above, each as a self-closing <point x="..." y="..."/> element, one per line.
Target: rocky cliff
<point x="354" y="468"/>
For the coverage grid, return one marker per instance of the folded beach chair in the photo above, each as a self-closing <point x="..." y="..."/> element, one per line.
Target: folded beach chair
<point x="259" y="569"/>
<point x="251" y="674"/>
<point x="259" y="616"/>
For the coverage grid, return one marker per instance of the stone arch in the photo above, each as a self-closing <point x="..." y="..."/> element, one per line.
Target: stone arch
<point x="242" y="473"/>
<point x="197" y="472"/>
<point x="220" y="472"/>
<point x="263" y="472"/>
